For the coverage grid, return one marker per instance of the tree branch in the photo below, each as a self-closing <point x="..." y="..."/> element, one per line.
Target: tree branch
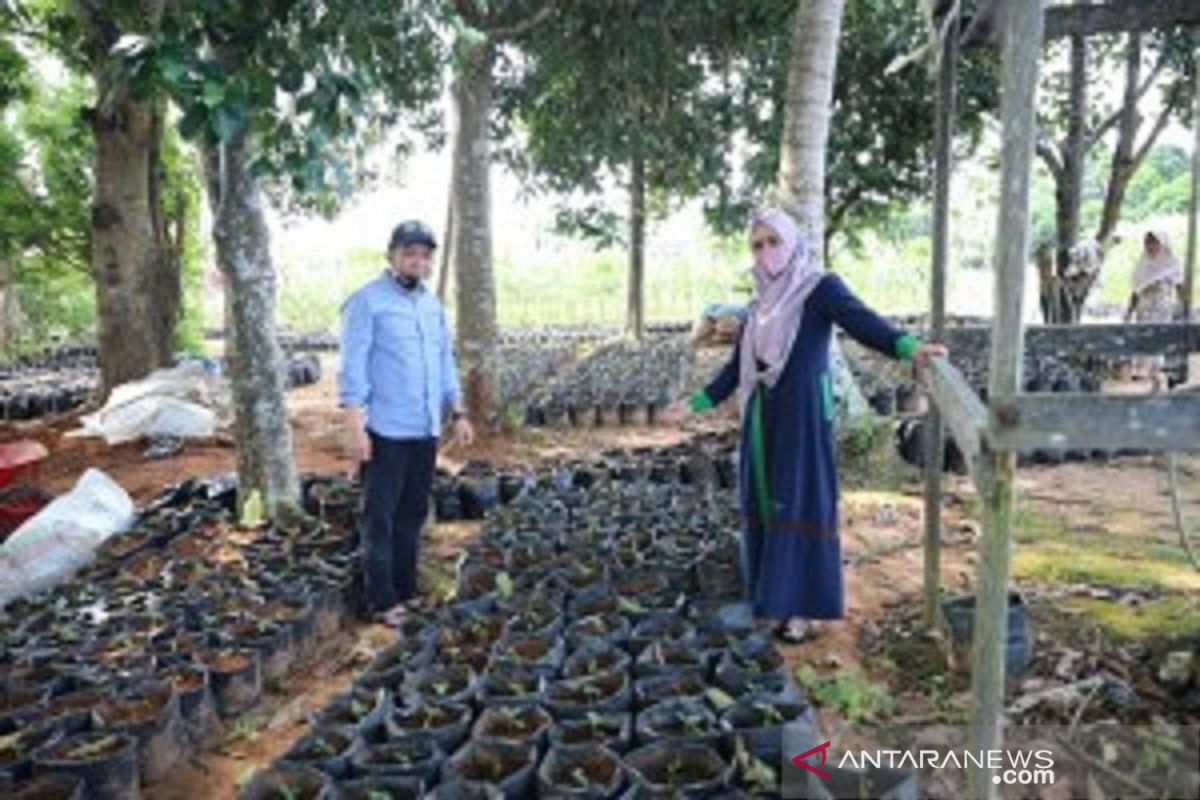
<point x="470" y="14"/>
<point x="838" y="215"/>
<point x="1111" y="121"/>
<point x="523" y="26"/>
<point x="1050" y="156"/>
<point x="1159" y="125"/>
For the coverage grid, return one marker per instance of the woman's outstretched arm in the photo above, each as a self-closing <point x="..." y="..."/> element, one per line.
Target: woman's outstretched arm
<point x="723" y="385"/>
<point x="835" y="299"/>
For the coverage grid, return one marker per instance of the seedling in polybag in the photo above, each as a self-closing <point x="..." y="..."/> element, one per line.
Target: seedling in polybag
<point x="92" y="748"/>
<point x="323" y="747"/>
<point x="630" y="606"/>
<point x="769" y="713"/>
<point x="756" y="775"/>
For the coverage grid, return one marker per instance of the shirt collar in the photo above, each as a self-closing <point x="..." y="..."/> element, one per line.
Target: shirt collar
<point x="420" y="287"/>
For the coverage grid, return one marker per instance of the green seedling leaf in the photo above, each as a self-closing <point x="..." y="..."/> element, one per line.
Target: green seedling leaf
<point x="630" y="606"/>
<point x="719" y="699"/>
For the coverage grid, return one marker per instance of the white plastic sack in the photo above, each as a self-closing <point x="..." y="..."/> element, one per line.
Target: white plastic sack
<point x="853" y="411"/>
<point x="63" y="536"/>
<point x="185" y="401"/>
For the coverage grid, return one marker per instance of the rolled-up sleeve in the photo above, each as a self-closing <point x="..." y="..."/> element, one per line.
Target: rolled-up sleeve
<point x="354" y="386"/>
<point x="451" y="389"/>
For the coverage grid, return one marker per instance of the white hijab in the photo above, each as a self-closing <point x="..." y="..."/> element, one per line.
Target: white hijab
<point x="1164" y="267"/>
<point x="777" y="308"/>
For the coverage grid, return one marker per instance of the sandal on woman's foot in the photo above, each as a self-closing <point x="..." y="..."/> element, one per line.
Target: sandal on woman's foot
<point x="393" y="616"/>
<point x="795" y="631"/>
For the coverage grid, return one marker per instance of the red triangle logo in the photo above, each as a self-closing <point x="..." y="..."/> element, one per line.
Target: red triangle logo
<point x="800" y="762"/>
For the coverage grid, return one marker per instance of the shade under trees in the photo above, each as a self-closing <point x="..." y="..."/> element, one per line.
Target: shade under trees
<point x="345" y="75"/>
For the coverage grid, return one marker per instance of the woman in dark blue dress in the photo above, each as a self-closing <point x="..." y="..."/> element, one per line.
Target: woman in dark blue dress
<point x="787" y="475"/>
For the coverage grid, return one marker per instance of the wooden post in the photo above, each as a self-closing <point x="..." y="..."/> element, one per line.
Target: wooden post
<point x="1022" y="41"/>
<point x="1189" y="280"/>
<point x="1118" y="16"/>
<point x="934" y="430"/>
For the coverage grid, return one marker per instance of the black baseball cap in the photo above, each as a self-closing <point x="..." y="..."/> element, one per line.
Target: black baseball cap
<point x="411" y="232"/>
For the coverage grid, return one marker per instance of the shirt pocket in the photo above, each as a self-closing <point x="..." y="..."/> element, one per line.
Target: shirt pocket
<point x="398" y="330"/>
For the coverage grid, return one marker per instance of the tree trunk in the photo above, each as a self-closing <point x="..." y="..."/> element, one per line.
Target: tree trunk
<point x="5" y="308"/>
<point x="443" y="280"/>
<point x="1126" y="159"/>
<point x="1122" y="167"/>
<point x="800" y="184"/>
<point x="138" y="289"/>
<point x="1069" y="191"/>
<point x="256" y="368"/>
<point x="635" y="316"/>
<point x="475" y="295"/>
<point x="1129" y="154"/>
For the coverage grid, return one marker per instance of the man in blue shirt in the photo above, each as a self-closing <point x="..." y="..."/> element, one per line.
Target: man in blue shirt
<point x="397" y="379"/>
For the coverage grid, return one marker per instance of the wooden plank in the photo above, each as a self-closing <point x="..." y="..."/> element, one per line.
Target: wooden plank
<point x="1164" y="422"/>
<point x="934" y="429"/>
<point x="1120" y="16"/>
<point x="1108" y="340"/>
<point x="961" y="409"/>
<point x="1189" y="280"/>
<point x="1021" y="45"/>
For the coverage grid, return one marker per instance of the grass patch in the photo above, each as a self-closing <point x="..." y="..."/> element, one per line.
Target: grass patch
<point x="1030" y="526"/>
<point x="850" y="692"/>
<point x="1170" y="616"/>
<point x="1049" y="551"/>
<point x="1091" y="562"/>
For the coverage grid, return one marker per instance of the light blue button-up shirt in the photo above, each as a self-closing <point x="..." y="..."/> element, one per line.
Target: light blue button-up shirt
<point x="397" y="359"/>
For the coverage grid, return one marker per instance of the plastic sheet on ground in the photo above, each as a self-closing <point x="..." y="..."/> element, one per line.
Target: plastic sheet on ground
<point x="50" y="546"/>
<point x="187" y="401"/>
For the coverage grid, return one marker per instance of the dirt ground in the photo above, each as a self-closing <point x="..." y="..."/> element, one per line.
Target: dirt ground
<point x="1120" y="510"/>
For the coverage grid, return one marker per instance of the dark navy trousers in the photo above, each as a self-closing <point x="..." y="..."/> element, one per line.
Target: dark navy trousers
<point x="397" y="482"/>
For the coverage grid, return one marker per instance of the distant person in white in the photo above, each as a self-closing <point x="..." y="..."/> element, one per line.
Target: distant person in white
<point x="1157" y="296"/>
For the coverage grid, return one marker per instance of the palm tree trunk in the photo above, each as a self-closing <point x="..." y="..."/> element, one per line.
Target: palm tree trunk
<point x="800" y="184"/>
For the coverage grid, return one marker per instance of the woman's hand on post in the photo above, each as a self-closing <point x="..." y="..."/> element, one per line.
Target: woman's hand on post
<point x="927" y="352"/>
